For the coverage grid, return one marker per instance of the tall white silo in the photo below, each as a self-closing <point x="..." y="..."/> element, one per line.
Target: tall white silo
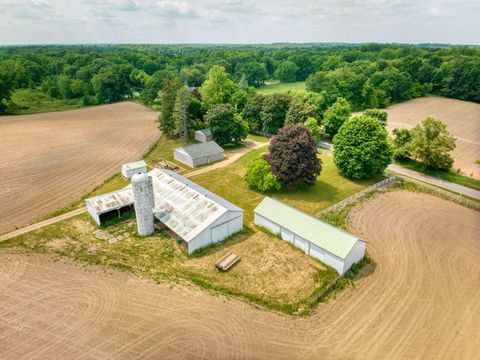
<point x="143" y="199"/>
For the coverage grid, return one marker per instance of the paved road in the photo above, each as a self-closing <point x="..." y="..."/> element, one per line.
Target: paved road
<point x="435" y="181"/>
<point x="231" y="157"/>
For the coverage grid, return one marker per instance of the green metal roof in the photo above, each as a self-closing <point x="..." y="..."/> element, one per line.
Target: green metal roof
<point x="135" y="164"/>
<point x="326" y="236"/>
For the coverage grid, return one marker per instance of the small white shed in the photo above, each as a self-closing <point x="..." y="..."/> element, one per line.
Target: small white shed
<point x="203" y="135"/>
<point x="130" y="169"/>
<point x="329" y="244"/>
<point x="199" y="154"/>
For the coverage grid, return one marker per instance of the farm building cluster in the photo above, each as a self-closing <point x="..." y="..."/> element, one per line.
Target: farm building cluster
<point x="197" y="216"/>
<point x="200" y="218"/>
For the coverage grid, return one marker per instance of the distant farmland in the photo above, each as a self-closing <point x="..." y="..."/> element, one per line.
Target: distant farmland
<point x="462" y="119"/>
<point x="52" y="159"/>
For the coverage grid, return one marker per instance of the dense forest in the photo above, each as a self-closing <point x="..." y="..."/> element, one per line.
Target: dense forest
<point x="367" y="76"/>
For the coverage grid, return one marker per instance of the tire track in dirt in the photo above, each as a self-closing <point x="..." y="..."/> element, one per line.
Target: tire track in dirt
<point x="420" y="301"/>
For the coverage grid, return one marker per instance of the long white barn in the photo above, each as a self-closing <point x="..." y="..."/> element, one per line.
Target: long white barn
<point x="316" y="238"/>
<point x="196" y="215"/>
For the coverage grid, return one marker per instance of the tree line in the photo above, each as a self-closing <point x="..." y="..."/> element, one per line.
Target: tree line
<point x="367" y="76"/>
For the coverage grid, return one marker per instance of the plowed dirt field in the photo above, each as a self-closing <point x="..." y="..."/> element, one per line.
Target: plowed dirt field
<point x="418" y="301"/>
<point x="49" y="160"/>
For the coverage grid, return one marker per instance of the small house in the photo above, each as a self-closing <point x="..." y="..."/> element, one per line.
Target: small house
<point x="203" y="135"/>
<point x="327" y="243"/>
<point x="199" y="154"/>
<point x="130" y="169"/>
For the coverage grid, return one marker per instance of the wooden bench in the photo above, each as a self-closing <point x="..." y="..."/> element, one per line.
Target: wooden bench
<point x="227" y="261"/>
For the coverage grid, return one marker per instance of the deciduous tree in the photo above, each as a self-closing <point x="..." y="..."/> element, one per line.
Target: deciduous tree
<point x="226" y="127"/>
<point x="293" y="156"/>
<point x="431" y="144"/>
<point x="361" y="148"/>
<point x="335" y="116"/>
<point x="259" y="176"/>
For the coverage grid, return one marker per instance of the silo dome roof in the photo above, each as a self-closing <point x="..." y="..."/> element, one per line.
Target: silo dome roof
<point x="140" y="178"/>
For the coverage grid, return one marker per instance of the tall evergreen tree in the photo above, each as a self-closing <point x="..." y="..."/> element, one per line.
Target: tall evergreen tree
<point x="168" y="96"/>
<point x="180" y="113"/>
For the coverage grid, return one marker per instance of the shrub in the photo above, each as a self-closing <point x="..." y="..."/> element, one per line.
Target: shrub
<point x="259" y="176"/>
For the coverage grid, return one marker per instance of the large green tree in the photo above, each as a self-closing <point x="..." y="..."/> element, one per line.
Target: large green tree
<point x="299" y="112"/>
<point x="431" y="144"/>
<point x="293" y="156"/>
<point x="217" y="88"/>
<point x="335" y="116"/>
<point x="286" y="71"/>
<point x="226" y="127"/>
<point x="361" y="148"/>
<point x="274" y="111"/>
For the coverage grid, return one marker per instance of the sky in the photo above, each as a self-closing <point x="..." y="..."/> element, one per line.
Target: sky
<point x="238" y="21"/>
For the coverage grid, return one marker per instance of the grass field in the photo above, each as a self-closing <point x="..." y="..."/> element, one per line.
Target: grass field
<point x="330" y="188"/>
<point x="281" y="87"/>
<point x="31" y="101"/>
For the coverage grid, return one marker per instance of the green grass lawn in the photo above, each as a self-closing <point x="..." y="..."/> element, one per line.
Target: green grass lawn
<point x="281" y="87"/>
<point x="441" y="174"/>
<point x="330" y="188"/>
<point x="31" y="101"/>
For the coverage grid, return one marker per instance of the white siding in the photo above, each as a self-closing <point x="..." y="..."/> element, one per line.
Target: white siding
<point x="208" y="159"/>
<point x="183" y="158"/>
<point x="267" y="224"/>
<point x="334" y="261"/>
<point x="93" y="214"/>
<point x="226" y="225"/>
<point x="286" y="235"/>
<point x="301" y="243"/>
<point x="355" y="255"/>
<point x="128" y="173"/>
<point x="317" y="252"/>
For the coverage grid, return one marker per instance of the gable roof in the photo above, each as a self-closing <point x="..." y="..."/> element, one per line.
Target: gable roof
<point x="183" y="206"/>
<point x="326" y="236"/>
<point x="196" y="151"/>
<point x="111" y="201"/>
<point x="135" y="165"/>
<point x="207" y="132"/>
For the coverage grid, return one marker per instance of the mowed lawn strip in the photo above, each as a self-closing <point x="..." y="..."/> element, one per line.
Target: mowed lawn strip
<point x="330" y="188"/>
<point x="281" y="87"/>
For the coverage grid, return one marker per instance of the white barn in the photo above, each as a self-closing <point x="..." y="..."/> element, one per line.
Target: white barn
<point x="199" y="154"/>
<point x="325" y="242"/>
<point x="130" y="169"/>
<point x="203" y="135"/>
<point x="197" y="216"/>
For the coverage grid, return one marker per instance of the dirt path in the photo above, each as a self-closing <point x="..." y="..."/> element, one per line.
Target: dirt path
<point x="231" y="157"/>
<point x="49" y="160"/>
<point x="420" y="301"/>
